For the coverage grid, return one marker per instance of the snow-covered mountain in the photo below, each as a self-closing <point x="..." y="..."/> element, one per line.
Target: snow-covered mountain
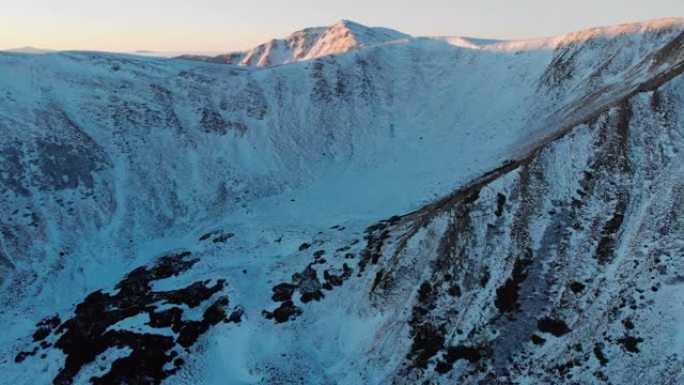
<point x="32" y="50"/>
<point x="308" y="44"/>
<point x="382" y="209"/>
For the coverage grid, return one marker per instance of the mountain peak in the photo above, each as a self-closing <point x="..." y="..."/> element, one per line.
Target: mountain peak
<point x="351" y="25"/>
<point x="347" y="23"/>
<point x="310" y="43"/>
<point x="28" y="49"/>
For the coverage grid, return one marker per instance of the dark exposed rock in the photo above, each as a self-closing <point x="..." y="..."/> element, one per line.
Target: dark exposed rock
<point x="537" y="340"/>
<point x="455" y="290"/>
<point x="165" y="318"/>
<point x="507" y="295"/>
<point x="213" y="122"/>
<point x="190" y="331"/>
<point x="309" y="287"/>
<point x="218" y="236"/>
<point x="308" y="284"/>
<point x="567" y="366"/>
<point x="472" y="197"/>
<point x="604" y="250"/>
<point x="484" y="278"/>
<point x="236" y="315"/>
<point x="222" y="238"/>
<point x="21" y="356"/>
<point x="577" y="287"/>
<point x="425" y="292"/>
<point x="378" y="278"/>
<point x="376" y="235"/>
<point x="287" y="311"/>
<point x="283" y="292"/>
<point x="600" y="356"/>
<point x="629" y="343"/>
<point x="206" y="236"/>
<point x="393" y="220"/>
<point x="89" y="333"/>
<point x="45" y="327"/>
<point x="460" y="352"/>
<point x="428" y="340"/>
<point x="629" y="325"/>
<point x="500" y="202"/>
<point x="553" y="326"/>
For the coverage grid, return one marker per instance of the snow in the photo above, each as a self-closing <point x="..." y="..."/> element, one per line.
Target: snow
<point x="309" y="44"/>
<point x="344" y="125"/>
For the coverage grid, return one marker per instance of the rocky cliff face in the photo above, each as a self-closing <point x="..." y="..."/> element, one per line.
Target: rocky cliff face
<point x="563" y="268"/>
<point x="531" y="193"/>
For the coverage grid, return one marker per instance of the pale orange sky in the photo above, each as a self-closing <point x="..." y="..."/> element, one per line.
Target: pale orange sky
<point x="219" y="26"/>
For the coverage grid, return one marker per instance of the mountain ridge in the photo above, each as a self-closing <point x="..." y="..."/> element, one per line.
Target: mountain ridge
<point x="265" y="54"/>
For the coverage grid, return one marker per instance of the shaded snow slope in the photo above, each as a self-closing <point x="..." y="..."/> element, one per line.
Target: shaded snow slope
<point x="272" y="176"/>
<point x="563" y="268"/>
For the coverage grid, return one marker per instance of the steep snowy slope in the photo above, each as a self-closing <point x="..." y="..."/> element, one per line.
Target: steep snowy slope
<point x="564" y="267"/>
<point x="308" y="44"/>
<point x="269" y="176"/>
